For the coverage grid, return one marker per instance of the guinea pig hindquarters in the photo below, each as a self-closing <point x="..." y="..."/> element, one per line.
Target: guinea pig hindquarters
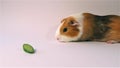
<point x="88" y="26"/>
<point x="113" y="35"/>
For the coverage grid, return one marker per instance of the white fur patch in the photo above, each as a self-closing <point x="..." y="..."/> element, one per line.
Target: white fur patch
<point x="79" y="18"/>
<point x="67" y="39"/>
<point x="58" y="29"/>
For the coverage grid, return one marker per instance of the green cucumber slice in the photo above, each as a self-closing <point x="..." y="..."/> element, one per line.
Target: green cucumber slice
<point x="28" y="48"/>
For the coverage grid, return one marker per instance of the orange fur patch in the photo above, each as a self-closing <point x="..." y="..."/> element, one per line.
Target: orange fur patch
<point x="88" y="26"/>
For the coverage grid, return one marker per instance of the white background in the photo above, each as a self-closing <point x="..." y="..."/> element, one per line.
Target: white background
<point x="35" y="22"/>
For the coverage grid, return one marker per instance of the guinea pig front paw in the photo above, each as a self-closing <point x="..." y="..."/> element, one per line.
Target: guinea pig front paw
<point x="112" y="42"/>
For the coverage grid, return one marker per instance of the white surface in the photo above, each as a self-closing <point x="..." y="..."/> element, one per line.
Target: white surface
<point x="35" y="22"/>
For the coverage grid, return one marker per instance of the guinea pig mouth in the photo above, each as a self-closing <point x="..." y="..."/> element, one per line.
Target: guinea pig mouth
<point x="57" y="38"/>
<point x="60" y="40"/>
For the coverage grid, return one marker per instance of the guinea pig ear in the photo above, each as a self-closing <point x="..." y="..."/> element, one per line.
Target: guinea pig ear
<point x="73" y="23"/>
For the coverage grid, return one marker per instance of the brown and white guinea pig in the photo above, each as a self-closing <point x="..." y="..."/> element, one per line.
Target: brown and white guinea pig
<point x="87" y="26"/>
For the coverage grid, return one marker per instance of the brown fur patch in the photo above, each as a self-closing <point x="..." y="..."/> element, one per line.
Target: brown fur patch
<point x="105" y="29"/>
<point x="114" y="33"/>
<point x="72" y="31"/>
<point x="87" y="26"/>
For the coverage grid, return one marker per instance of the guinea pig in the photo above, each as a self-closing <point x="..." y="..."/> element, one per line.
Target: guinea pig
<point x="87" y="26"/>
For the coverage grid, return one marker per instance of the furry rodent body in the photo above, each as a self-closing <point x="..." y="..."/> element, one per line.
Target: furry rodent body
<point x="87" y="26"/>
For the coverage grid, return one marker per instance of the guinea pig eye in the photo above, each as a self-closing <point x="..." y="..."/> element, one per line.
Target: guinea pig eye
<point x="65" y="30"/>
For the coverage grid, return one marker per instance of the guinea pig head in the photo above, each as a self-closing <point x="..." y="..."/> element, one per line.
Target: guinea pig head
<point x="69" y="30"/>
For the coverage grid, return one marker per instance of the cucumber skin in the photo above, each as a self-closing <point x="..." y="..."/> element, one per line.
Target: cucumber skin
<point x="27" y="50"/>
